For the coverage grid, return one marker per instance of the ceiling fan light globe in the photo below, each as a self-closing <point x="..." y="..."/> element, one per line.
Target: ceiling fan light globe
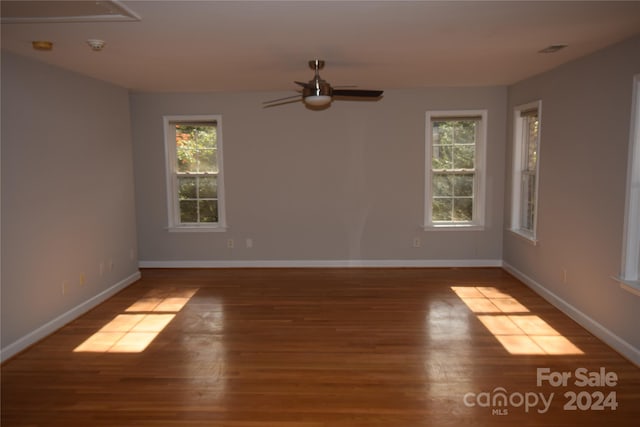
<point x="317" y="100"/>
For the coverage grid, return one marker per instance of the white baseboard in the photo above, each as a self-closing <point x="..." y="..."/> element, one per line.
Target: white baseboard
<point x="322" y="263"/>
<point x="55" y="324"/>
<point x="620" y="345"/>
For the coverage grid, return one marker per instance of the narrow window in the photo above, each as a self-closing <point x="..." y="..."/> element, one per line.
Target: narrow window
<point x="455" y="165"/>
<point x="526" y="152"/>
<point x="194" y="173"/>
<point x="631" y="250"/>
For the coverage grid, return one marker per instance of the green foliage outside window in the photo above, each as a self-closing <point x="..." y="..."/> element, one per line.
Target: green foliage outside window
<point x="196" y="148"/>
<point x="197" y="172"/>
<point x="453" y="163"/>
<point x="528" y="190"/>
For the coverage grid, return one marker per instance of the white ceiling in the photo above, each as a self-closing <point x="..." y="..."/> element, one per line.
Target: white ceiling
<point x="265" y="45"/>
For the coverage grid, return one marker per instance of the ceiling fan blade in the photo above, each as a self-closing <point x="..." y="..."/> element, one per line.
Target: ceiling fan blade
<point x="282" y="102"/>
<point x="282" y="99"/>
<point x="303" y="84"/>
<point x="363" y="93"/>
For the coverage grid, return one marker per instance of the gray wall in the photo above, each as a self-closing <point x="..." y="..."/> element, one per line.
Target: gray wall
<point x="341" y="184"/>
<point x="67" y="196"/>
<point x="586" y="108"/>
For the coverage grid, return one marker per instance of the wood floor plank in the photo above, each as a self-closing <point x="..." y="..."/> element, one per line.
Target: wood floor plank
<point x="318" y="347"/>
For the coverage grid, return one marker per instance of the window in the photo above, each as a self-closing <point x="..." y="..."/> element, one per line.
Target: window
<point x="194" y="173"/>
<point x="526" y="152"/>
<point x="454" y="179"/>
<point x="631" y="251"/>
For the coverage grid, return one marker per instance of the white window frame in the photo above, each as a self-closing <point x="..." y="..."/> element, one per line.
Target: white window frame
<point x="517" y="172"/>
<point x="630" y="277"/>
<point x="479" y="171"/>
<point x="173" y="209"/>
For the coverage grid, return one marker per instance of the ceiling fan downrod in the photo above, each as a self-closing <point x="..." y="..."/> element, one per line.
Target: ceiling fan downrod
<point x="317" y="87"/>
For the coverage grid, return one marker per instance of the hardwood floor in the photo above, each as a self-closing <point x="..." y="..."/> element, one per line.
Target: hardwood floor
<point x="321" y="347"/>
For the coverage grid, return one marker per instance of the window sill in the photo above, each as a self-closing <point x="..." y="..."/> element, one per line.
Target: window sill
<point x="453" y="227"/>
<point x="527" y="237"/>
<point x="197" y="229"/>
<point x="632" y="286"/>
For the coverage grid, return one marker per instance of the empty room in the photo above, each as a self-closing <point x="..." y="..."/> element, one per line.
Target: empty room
<point x="320" y="213"/>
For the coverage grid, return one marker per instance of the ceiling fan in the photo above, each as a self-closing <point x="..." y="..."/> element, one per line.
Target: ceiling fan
<point x="319" y="93"/>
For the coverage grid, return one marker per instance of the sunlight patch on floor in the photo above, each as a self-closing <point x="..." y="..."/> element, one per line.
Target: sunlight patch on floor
<point x="140" y="324"/>
<point x="518" y="330"/>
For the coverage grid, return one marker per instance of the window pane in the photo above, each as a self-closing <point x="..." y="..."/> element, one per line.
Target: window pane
<point x="207" y="161"/>
<point x="208" y="210"/>
<point x="206" y="136"/>
<point x="532" y="143"/>
<point x="442" y="157"/>
<point x="442" y="185"/>
<point x="442" y="133"/>
<point x="195" y="147"/>
<point x="186" y="159"/>
<point x="527" y="208"/>
<point x="464" y="131"/>
<point x="207" y="187"/>
<point x="186" y="188"/>
<point x="463" y="185"/>
<point x="442" y="209"/>
<point x="453" y="144"/>
<point x="463" y="209"/>
<point x="463" y="156"/>
<point x="188" y="211"/>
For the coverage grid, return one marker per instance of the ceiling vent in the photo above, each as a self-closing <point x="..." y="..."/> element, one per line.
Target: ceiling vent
<point x="14" y="12"/>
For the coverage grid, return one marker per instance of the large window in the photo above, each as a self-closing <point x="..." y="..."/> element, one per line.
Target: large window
<point x="526" y="152"/>
<point x="194" y="173"/>
<point x="631" y="251"/>
<point x="455" y="146"/>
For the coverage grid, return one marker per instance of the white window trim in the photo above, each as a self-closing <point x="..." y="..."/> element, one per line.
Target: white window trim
<point x="173" y="212"/>
<point x="479" y="178"/>
<point x="630" y="277"/>
<point x="516" y="179"/>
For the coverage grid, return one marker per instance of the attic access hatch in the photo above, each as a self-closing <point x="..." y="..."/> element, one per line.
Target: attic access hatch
<point x="15" y="12"/>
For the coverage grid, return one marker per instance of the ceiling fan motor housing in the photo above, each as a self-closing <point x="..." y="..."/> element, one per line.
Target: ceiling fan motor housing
<point x="317" y="87"/>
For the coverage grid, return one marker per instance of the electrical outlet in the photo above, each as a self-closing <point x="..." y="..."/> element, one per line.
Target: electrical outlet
<point x="416" y="242"/>
<point x="564" y="276"/>
<point x="249" y="242"/>
<point x="230" y="243"/>
<point x="65" y="287"/>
